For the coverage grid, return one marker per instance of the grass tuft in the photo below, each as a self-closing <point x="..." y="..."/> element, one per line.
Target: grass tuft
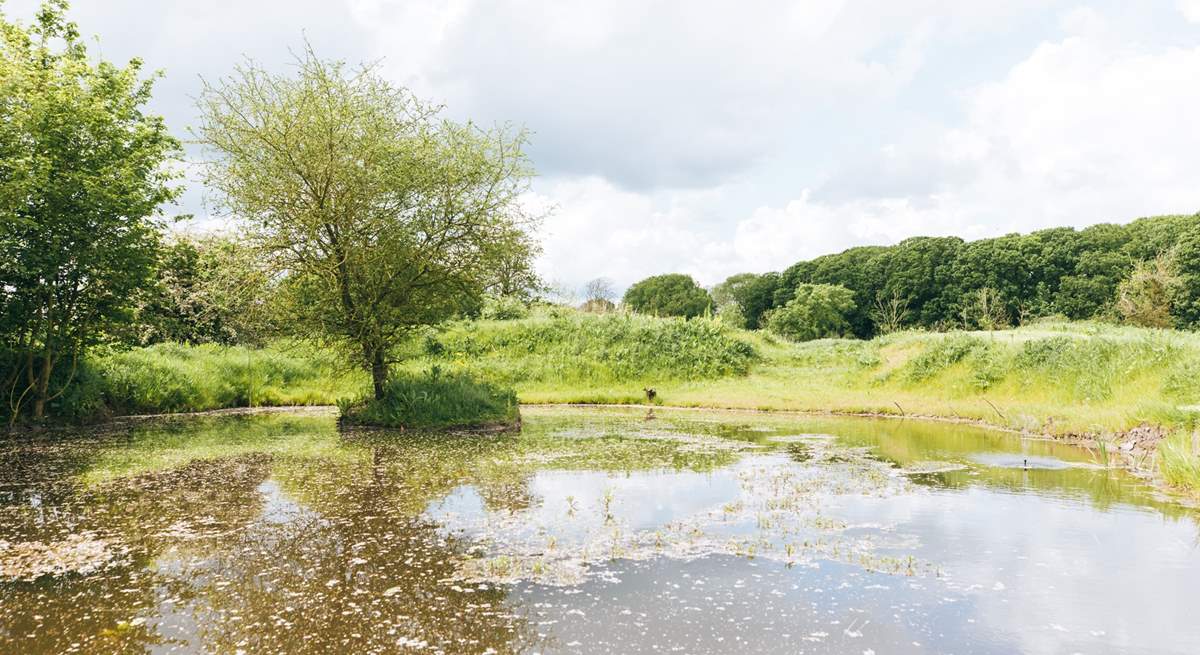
<point x="1179" y="460"/>
<point x="435" y="400"/>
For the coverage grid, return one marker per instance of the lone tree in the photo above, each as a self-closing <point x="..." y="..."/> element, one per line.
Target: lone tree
<point x="673" y="294"/>
<point x="598" y="296"/>
<point x="889" y="312"/>
<point x="378" y="215"/>
<point x="82" y="177"/>
<point x="600" y="288"/>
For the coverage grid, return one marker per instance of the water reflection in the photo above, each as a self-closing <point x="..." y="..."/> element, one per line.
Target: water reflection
<point x="592" y="531"/>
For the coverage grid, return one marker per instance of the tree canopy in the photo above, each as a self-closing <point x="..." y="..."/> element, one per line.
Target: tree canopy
<point x="83" y="174"/>
<point x="753" y="294"/>
<point x="209" y="289"/>
<point x="815" y="311"/>
<point x="378" y="215"/>
<point x="673" y="294"/>
<point x="939" y="282"/>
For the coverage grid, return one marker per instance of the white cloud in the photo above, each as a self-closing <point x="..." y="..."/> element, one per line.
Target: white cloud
<point x="1190" y="9"/>
<point x="599" y="229"/>
<point x="683" y="135"/>
<point x="1083" y="130"/>
<point x="679" y="94"/>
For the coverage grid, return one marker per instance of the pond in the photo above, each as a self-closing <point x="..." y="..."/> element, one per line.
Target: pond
<point x="591" y="531"/>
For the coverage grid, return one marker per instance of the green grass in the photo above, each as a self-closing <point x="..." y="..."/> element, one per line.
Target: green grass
<point x="563" y="347"/>
<point x="1056" y="378"/>
<point x="1179" y="460"/>
<point x="172" y="378"/>
<point x="175" y="378"/>
<point x="434" y="401"/>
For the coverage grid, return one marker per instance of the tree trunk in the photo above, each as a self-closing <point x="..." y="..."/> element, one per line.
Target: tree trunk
<point x="379" y="373"/>
<point x="42" y="388"/>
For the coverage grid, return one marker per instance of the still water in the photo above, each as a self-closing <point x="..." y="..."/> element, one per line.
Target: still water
<point x="591" y="531"/>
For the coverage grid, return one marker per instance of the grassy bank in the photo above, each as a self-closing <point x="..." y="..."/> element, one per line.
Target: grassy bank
<point x="1061" y="379"/>
<point x="171" y="378"/>
<point x="1078" y="379"/>
<point x="1054" y="377"/>
<point x="564" y="355"/>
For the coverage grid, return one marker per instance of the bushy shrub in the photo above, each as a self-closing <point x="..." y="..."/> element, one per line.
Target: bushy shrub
<point x="989" y="365"/>
<point x="815" y="311"/>
<point x="76" y="390"/>
<point x="503" y="308"/>
<point x="435" y="400"/>
<point x="1146" y="297"/>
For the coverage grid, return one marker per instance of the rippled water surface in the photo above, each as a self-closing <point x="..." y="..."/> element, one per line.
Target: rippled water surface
<point x="590" y="531"/>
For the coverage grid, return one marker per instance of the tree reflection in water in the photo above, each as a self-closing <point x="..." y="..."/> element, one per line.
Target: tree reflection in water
<point x="267" y="553"/>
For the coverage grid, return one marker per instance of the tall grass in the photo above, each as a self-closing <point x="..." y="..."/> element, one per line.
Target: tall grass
<point x="178" y="378"/>
<point x="435" y="400"/>
<point x="170" y="378"/>
<point x="1057" y="378"/>
<point x="1179" y="460"/>
<point x="1154" y="366"/>
<point x="588" y="349"/>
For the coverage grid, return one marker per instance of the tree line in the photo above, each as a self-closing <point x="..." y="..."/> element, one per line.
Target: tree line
<point x="1146" y="273"/>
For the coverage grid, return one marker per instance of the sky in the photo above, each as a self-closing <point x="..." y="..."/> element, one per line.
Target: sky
<point x="713" y="137"/>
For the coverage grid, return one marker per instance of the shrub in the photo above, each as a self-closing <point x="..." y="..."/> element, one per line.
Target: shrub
<point x="815" y="311"/>
<point x="503" y="308"/>
<point x="731" y="314"/>
<point x="598" y="306"/>
<point x="78" y="395"/>
<point x="435" y="400"/>
<point x="1145" y="298"/>
<point x="988" y="367"/>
